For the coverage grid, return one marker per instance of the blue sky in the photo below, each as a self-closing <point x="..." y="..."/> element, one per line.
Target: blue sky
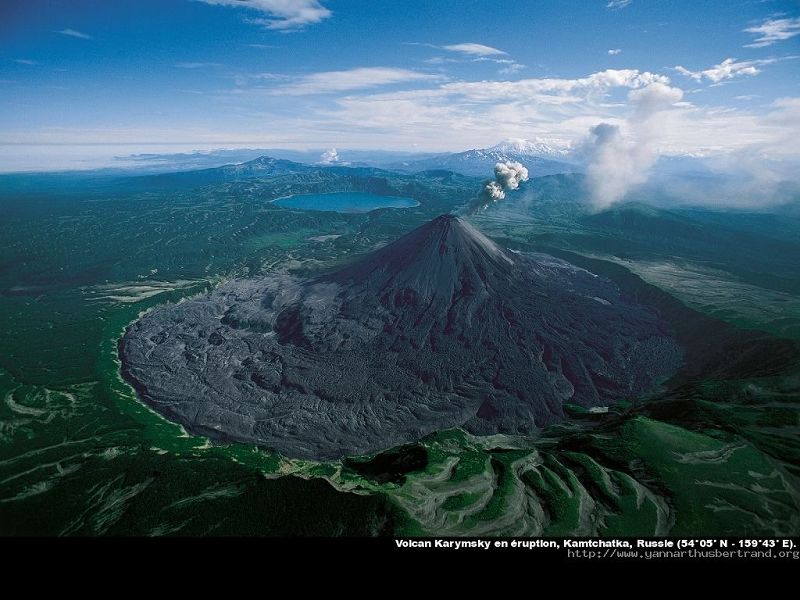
<point x="410" y="74"/>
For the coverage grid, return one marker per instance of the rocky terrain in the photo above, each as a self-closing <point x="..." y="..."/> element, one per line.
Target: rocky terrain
<point x="441" y="328"/>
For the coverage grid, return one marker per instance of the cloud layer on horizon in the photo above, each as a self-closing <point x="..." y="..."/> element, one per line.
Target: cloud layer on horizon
<point x="395" y="108"/>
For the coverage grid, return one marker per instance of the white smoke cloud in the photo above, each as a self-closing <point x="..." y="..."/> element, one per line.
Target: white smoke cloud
<point x="620" y="162"/>
<point x="510" y="174"/>
<point x="283" y="15"/>
<point x="494" y="191"/>
<point x="330" y="157"/>
<point x="507" y="177"/>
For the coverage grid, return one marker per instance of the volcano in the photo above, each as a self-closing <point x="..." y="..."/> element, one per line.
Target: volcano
<point x="441" y="328"/>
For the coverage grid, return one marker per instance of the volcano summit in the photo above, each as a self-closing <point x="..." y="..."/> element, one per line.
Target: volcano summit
<point x="441" y="328"/>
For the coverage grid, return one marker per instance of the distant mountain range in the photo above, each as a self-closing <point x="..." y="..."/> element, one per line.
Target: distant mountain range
<point x="540" y="149"/>
<point x="674" y="179"/>
<point x="203" y="167"/>
<point x="472" y="163"/>
<point x="170" y="162"/>
<point x="539" y="157"/>
<point x="263" y="166"/>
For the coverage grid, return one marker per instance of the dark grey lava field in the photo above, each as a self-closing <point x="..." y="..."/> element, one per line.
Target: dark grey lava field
<point x="439" y="329"/>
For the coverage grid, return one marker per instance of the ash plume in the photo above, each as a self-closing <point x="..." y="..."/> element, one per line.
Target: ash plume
<point x="507" y="177"/>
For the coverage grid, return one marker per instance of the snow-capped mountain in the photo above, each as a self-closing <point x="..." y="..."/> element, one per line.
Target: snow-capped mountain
<point x="540" y="157"/>
<point x="538" y="148"/>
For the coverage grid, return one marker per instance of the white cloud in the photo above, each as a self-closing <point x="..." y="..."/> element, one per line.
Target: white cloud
<point x="473" y="49"/>
<point x="508" y="65"/>
<point x="522" y="89"/>
<point x="349" y="109"/>
<point x="727" y="69"/>
<point x="433" y="120"/>
<point x="652" y="99"/>
<point x="511" y="68"/>
<point x="463" y="114"/>
<point x="440" y="60"/>
<point x="75" y="33"/>
<point x="786" y="115"/>
<point x="620" y="162"/>
<point x="354" y="79"/>
<point x="614" y="51"/>
<point x="195" y="65"/>
<point x="774" y="30"/>
<point x="616" y="4"/>
<point x="26" y="61"/>
<point x="472" y="52"/>
<point x="283" y="15"/>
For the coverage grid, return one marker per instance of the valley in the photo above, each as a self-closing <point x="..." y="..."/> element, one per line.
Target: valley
<point x="70" y="423"/>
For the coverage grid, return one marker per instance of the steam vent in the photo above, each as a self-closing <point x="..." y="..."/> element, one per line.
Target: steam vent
<point x="442" y="328"/>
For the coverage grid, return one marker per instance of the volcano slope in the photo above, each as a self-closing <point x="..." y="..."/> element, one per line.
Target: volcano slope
<point x="441" y="328"/>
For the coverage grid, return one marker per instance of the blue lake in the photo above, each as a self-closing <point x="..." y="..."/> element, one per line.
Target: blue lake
<point x="344" y="202"/>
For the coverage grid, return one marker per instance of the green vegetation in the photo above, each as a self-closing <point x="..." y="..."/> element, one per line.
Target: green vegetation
<point x="715" y="453"/>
